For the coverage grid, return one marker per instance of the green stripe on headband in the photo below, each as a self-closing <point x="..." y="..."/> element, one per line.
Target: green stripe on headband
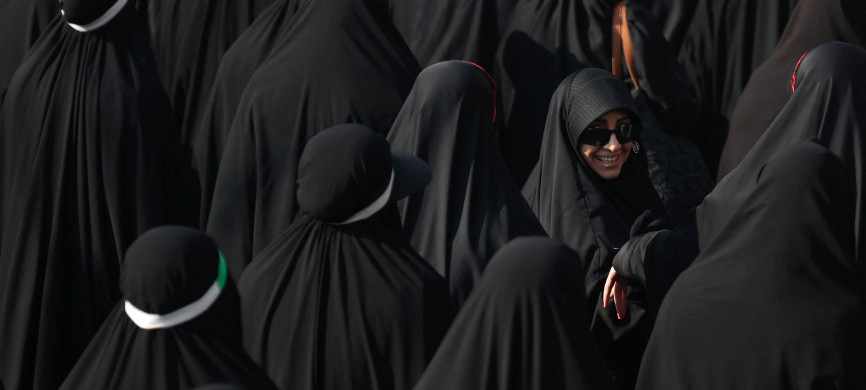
<point x="222" y="275"/>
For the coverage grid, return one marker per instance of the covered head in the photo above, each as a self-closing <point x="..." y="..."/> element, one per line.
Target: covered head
<point x="348" y="172"/>
<point x="593" y="93"/>
<point x="171" y="275"/>
<point x="89" y="15"/>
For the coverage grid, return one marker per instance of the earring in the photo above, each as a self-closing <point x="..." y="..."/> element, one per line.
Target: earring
<point x="635" y="147"/>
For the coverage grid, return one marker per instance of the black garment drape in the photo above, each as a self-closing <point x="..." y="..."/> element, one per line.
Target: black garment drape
<point x="775" y="300"/>
<point x="591" y="215"/>
<point x="522" y="327"/>
<point x="812" y="23"/>
<point x="472" y="207"/>
<point x="343" y="306"/>
<point x="163" y="270"/>
<point x="189" y="38"/>
<point x="88" y="151"/>
<point x="236" y="67"/>
<point x="21" y="23"/>
<point x="343" y="61"/>
<point x="726" y="40"/>
<point x="674" y="17"/>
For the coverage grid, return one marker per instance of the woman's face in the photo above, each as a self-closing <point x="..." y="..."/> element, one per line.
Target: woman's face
<point x="607" y="160"/>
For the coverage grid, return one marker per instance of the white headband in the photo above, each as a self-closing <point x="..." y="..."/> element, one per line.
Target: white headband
<point x="146" y="320"/>
<point x="100" y="21"/>
<point x="377" y="205"/>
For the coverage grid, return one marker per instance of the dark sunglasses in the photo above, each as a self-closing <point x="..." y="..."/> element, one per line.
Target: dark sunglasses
<point x="596" y="136"/>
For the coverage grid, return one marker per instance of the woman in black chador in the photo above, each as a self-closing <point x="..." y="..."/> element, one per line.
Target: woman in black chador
<point x="472" y="207"/>
<point x="87" y="164"/>
<point x="178" y="324"/>
<point x="588" y="188"/>
<point x="523" y="327"/>
<point x="774" y="301"/>
<point x="340" y="300"/>
<point x="342" y="62"/>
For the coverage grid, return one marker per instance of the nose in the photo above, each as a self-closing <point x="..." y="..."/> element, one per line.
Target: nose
<point x="613" y="144"/>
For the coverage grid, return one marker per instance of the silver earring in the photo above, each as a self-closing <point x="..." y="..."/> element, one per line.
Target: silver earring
<point x="635" y="147"/>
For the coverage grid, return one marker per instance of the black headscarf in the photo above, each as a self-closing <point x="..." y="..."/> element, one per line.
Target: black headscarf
<point x="522" y="327"/>
<point x="178" y="325"/>
<point x="727" y="39"/>
<point x="88" y="149"/>
<point x="21" y="23"/>
<point x="774" y="301"/>
<point x="591" y="215"/>
<point x="343" y="61"/>
<point x="236" y="67"/>
<point x="674" y="17"/>
<point x="343" y="306"/>
<point x="189" y="38"/>
<point x="813" y="22"/>
<point x="451" y="30"/>
<point x="472" y="207"/>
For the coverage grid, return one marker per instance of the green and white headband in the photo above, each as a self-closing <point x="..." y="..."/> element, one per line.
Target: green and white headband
<point x="146" y="320"/>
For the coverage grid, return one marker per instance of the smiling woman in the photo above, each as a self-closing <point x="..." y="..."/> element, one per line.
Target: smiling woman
<point x="588" y="188"/>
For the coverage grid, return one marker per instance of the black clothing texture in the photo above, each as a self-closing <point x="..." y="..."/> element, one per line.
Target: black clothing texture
<point x="189" y="38"/>
<point x="774" y="301"/>
<point x="726" y="40"/>
<point x="87" y="165"/>
<point x="813" y="22"/>
<point x="21" y="23"/>
<point x="472" y="207"/>
<point x="236" y="67"/>
<point x="592" y="215"/>
<point x="674" y="16"/>
<point x="164" y="270"/>
<point x="343" y="306"/>
<point x="466" y="30"/>
<point x="343" y="61"/>
<point x="522" y="327"/>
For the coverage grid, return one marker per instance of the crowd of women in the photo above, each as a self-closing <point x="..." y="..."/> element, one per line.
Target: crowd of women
<point x="415" y="194"/>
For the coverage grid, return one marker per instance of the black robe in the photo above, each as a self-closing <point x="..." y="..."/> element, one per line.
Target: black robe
<point x="727" y="39"/>
<point x="522" y="327"/>
<point x="591" y="215"/>
<point x="472" y="207"/>
<point x="775" y="299"/>
<point x="236" y="67"/>
<point x="21" y="23"/>
<point x="343" y="61"/>
<point x="813" y="22"/>
<point x="87" y="165"/>
<point x="164" y="270"/>
<point x="189" y="38"/>
<point x="343" y="306"/>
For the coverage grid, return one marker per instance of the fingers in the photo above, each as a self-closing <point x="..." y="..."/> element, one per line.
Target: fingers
<point x="621" y="290"/>
<point x="608" y="287"/>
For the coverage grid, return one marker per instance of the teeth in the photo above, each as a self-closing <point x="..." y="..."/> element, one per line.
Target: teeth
<point x="606" y="159"/>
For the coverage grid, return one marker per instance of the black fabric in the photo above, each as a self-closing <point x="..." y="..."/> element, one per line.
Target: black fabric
<point x="726" y="40"/>
<point x="450" y="30"/>
<point x="21" y="23"/>
<point x="342" y="306"/>
<point x="828" y="104"/>
<point x="236" y="67"/>
<point x="775" y="300"/>
<point x="87" y="164"/>
<point x="592" y="215"/>
<point x="163" y="270"/>
<point x="522" y="327"/>
<point x="812" y="23"/>
<point x="472" y="207"/>
<point x="343" y="61"/>
<point x="189" y="39"/>
<point x="674" y="18"/>
<point x="82" y="12"/>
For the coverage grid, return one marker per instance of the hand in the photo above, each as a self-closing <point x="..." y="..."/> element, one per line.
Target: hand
<point x="616" y="287"/>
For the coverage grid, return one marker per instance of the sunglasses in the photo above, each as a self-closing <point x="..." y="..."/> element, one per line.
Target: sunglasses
<point x="596" y="136"/>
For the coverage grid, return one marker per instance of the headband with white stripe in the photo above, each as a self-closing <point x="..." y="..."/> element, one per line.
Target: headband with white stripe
<point x="146" y="320"/>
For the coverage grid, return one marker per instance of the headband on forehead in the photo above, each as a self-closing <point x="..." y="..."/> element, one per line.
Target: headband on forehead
<point x="100" y="21"/>
<point x="146" y="320"/>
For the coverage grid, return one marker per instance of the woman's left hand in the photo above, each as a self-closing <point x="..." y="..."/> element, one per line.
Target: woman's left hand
<point x="616" y="287"/>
